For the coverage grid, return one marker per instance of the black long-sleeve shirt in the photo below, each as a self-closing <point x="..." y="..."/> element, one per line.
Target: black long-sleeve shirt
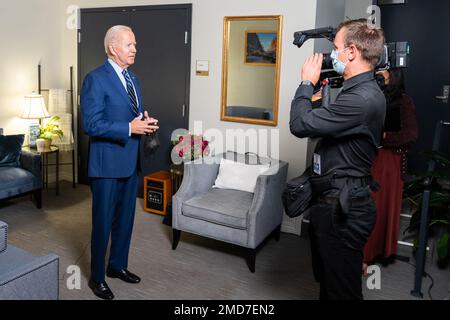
<point x="350" y="128"/>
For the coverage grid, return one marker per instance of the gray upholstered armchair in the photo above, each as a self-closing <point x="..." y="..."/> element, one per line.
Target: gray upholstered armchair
<point x="249" y="112"/>
<point x="237" y="217"/>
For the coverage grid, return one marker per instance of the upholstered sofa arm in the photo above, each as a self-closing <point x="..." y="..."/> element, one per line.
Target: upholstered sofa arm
<point x="198" y="177"/>
<point x="266" y="211"/>
<point x="31" y="162"/>
<point x="37" y="279"/>
<point x="3" y="236"/>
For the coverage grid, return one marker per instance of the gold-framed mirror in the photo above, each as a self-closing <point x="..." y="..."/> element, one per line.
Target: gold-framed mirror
<point x="251" y="69"/>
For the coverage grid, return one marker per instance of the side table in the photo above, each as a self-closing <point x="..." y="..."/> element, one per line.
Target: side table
<point x="176" y="172"/>
<point x="44" y="164"/>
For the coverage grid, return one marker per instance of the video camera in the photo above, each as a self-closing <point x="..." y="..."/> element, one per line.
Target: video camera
<point x="395" y="55"/>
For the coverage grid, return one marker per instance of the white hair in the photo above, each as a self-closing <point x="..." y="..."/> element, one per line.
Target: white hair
<point x="112" y="35"/>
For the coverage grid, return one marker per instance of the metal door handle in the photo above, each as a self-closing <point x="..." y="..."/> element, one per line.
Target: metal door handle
<point x="445" y="93"/>
<point x="184" y="110"/>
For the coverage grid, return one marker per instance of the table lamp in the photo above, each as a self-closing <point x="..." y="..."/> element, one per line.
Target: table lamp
<point x="34" y="108"/>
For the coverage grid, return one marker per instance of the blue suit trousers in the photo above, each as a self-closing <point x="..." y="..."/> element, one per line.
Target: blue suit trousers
<point x="113" y="209"/>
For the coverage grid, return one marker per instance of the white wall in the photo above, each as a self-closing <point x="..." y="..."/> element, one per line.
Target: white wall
<point x="30" y="34"/>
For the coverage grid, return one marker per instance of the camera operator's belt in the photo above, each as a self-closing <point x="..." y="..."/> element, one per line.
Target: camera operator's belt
<point x="335" y="200"/>
<point x="334" y="181"/>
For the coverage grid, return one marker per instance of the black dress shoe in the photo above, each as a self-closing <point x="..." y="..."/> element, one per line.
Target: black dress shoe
<point x="123" y="275"/>
<point x="101" y="290"/>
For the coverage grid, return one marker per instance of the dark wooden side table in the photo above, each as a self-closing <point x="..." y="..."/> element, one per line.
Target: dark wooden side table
<point x="45" y="164"/>
<point x="176" y="172"/>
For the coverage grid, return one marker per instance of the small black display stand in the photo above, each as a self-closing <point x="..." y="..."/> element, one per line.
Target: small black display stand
<point x="45" y="164"/>
<point x="71" y="90"/>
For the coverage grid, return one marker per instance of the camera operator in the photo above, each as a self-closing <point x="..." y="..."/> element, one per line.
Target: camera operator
<point x="343" y="213"/>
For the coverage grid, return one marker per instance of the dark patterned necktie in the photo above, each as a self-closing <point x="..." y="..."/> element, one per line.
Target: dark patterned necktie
<point x="131" y="93"/>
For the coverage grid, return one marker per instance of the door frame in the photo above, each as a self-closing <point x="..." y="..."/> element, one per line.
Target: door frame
<point x="187" y="7"/>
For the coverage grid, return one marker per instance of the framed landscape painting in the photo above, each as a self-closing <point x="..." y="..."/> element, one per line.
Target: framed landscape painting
<point x="261" y="47"/>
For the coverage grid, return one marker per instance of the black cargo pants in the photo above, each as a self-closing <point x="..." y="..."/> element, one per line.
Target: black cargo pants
<point x="338" y="239"/>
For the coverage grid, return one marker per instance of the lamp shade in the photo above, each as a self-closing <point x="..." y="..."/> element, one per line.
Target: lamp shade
<point x="34" y="107"/>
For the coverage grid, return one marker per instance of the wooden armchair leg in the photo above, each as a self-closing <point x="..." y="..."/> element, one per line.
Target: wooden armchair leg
<point x="37" y="195"/>
<point x="251" y="259"/>
<point x="277" y="233"/>
<point x="175" y="238"/>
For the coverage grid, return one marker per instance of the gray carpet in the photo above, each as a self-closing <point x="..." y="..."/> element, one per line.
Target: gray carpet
<point x="200" y="268"/>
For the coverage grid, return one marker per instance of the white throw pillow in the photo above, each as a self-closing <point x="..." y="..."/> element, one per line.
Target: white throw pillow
<point x="238" y="176"/>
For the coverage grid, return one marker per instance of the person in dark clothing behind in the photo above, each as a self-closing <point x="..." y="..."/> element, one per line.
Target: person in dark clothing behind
<point x="343" y="214"/>
<point x="389" y="167"/>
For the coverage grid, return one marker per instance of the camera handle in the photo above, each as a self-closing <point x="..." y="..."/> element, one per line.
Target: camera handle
<point x="326" y="96"/>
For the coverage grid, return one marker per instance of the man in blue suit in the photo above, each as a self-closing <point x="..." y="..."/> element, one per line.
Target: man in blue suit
<point x="111" y="105"/>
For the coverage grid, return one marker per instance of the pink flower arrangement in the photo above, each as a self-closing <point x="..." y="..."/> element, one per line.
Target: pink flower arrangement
<point x="190" y="147"/>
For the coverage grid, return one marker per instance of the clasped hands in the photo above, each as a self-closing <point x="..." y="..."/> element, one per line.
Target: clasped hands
<point x="311" y="71"/>
<point x="144" y="125"/>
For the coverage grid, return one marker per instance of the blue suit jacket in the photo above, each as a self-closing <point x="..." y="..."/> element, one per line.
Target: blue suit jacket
<point x="107" y="112"/>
